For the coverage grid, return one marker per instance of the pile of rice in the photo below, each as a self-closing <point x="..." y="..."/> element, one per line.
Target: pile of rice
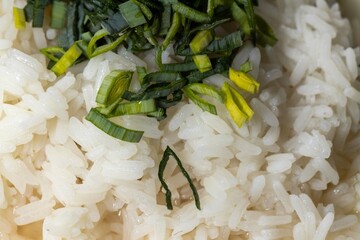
<point x="292" y="172"/>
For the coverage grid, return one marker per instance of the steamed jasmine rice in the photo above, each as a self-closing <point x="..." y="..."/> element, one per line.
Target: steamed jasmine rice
<point x="292" y="172"/>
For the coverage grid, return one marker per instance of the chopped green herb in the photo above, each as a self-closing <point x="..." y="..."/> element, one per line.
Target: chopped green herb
<point x="167" y="153"/>
<point x="112" y="129"/>
<point x="189" y="28"/>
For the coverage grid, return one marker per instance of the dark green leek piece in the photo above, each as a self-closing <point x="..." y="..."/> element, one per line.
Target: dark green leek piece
<point x="166" y="156"/>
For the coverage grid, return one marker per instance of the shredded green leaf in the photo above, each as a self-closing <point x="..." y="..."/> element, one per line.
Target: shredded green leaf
<point x="112" y="129"/>
<point x="167" y="153"/>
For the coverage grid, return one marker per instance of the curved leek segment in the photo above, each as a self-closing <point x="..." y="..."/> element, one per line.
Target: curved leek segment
<point x="205" y="89"/>
<point x="201" y="40"/>
<point x="244" y="81"/>
<point x="93" y="51"/>
<point x="53" y="53"/>
<point x="236" y="105"/>
<point x="241" y="103"/>
<point x="202" y="62"/>
<point x="240" y="17"/>
<point x="137" y="107"/>
<point x="109" y="46"/>
<point x="265" y="33"/>
<point x="19" y="18"/>
<point x="204" y="105"/>
<point x="191" y="13"/>
<point x="113" y="86"/>
<point x="174" y="28"/>
<point x="167" y="153"/>
<point x="67" y="60"/>
<point x="112" y="129"/>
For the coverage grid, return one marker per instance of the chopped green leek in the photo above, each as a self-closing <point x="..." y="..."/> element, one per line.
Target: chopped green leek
<point x="132" y="14"/>
<point x="53" y="53"/>
<point x="205" y="89"/>
<point x="236" y="105"/>
<point x="112" y="129"/>
<point x="58" y="14"/>
<point x="19" y="18"/>
<point x="204" y="105"/>
<point x="174" y="28"/>
<point x="166" y="156"/>
<point x="136" y="107"/>
<point x="202" y="62"/>
<point x="187" y="28"/>
<point x="38" y="12"/>
<point x="113" y="86"/>
<point x="191" y="13"/>
<point x="201" y="40"/>
<point x="244" y="81"/>
<point x="67" y="60"/>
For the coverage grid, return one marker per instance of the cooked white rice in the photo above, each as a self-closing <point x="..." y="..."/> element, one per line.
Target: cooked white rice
<point x="292" y="172"/>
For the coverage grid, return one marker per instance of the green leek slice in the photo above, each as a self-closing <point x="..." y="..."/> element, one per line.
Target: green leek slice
<point x="112" y="129"/>
<point x="113" y="86"/>
<point x="166" y="156"/>
<point x="58" y="14"/>
<point x="202" y="62"/>
<point x="132" y="14"/>
<point x="201" y="40"/>
<point x="136" y="107"/>
<point x="244" y="81"/>
<point x="236" y="105"/>
<point x="67" y="60"/>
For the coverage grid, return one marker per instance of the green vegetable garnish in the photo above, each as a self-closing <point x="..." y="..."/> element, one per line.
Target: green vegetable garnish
<point x="112" y="129"/>
<point x="92" y="27"/>
<point x="167" y="153"/>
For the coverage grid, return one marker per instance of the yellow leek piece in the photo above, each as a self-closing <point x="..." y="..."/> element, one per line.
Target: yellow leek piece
<point x="201" y="40"/>
<point x="19" y="18"/>
<point x="202" y="62"/>
<point x="244" y="81"/>
<point x="236" y="105"/>
<point x="67" y="60"/>
<point x="241" y="103"/>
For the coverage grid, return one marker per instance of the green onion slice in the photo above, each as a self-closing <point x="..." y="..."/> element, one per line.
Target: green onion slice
<point x="244" y="81"/>
<point x="136" y="107"/>
<point x="236" y="105"/>
<point x="19" y="18"/>
<point x="58" y="14"/>
<point x="174" y="28"/>
<point x="179" y="67"/>
<point x="112" y="129"/>
<point x="265" y="35"/>
<point x="113" y="86"/>
<point x="167" y="153"/>
<point x="204" y="105"/>
<point x="191" y="13"/>
<point x="202" y="62"/>
<point x="67" y="60"/>
<point x="53" y="53"/>
<point x="132" y="14"/>
<point x="201" y="40"/>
